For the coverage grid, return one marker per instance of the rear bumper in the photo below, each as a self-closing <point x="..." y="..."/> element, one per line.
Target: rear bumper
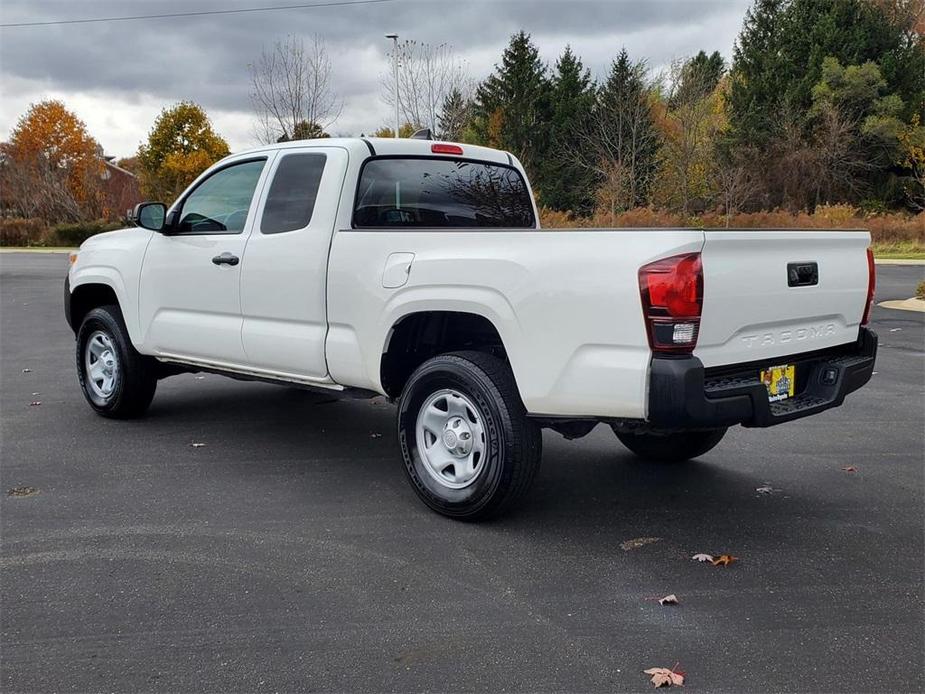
<point x="684" y="395"/>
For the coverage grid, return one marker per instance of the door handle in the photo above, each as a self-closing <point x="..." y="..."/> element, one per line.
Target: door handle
<point x="226" y="259"/>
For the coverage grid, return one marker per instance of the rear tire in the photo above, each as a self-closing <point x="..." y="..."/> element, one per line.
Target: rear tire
<point x="671" y="448"/>
<point x="116" y="380"/>
<point x="469" y="449"/>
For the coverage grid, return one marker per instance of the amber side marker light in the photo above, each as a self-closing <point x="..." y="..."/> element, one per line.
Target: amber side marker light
<point x="72" y="257"/>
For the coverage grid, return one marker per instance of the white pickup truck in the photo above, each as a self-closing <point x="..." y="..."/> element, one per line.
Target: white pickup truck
<point x="417" y="270"/>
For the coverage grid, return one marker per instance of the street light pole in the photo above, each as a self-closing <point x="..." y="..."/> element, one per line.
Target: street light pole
<point x="394" y="38"/>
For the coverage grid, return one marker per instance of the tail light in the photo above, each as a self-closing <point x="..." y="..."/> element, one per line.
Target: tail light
<point x="871" y="286"/>
<point x="672" y="300"/>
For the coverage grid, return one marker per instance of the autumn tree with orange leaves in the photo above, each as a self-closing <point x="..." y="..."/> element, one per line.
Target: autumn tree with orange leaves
<point x="181" y="145"/>
<point x="51" y="166"/>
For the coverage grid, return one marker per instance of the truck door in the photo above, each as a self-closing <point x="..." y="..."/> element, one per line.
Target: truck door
<point x="189" y="290"/>
<point x="284" y="277"/>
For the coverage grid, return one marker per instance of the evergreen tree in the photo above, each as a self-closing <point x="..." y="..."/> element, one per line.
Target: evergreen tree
<point x="455" y="117"/>
<point x="699" y="77"/>
<point x="625" y="138"/>
<point x="512" y="105"/>
<point x="568" y="185"/>
<point x="779" y="55"/>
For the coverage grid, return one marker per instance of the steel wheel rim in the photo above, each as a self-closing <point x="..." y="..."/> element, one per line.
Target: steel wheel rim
<point x="101" y="364"/>
<point x="450" y="438"/>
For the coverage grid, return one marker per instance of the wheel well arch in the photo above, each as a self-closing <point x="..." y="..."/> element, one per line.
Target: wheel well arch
<point x="86" y="297"/>
<point x="417" y="337"/>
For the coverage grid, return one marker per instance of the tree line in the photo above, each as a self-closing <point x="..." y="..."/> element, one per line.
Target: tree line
<point x="823" y="103"/>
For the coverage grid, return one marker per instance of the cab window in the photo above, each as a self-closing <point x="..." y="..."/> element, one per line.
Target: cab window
<point x="433" y="192"/>
<point x="291" y="199"/>
<point x="219" y="204"/>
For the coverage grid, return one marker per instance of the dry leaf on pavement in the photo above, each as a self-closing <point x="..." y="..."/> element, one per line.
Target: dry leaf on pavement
<point x="702" y="557"/>
<point x="668" y="600"/>
<point x="197" y="445"/>
<point x="638" y="542"/>
<point x="724" y="560"/>
<point x="850" y="468"/>
<point x="35" y="403"/>
<point x="663" y="677"/>
<point x="764" y="490"/>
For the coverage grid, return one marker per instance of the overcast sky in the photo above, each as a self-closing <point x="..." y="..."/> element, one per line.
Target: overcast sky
<point x="117" y="75"/>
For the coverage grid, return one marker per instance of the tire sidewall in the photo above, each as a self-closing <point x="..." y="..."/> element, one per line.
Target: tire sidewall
<point x="100" y="319"/>
<point x="468" y="379"/>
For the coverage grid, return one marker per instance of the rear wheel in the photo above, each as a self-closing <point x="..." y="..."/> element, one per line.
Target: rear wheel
<point x="116" y="380"/>
<point x="470" y="452"/>
<point x="671" y="448"/>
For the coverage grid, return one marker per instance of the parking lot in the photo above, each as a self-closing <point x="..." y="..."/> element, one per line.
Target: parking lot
<point x="288" y="552"/>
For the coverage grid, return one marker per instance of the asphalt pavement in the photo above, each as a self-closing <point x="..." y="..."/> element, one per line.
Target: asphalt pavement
<point x="288" y="553"/>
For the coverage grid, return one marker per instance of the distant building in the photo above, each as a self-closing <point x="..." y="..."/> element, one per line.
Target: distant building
<point x="120" y="188"/>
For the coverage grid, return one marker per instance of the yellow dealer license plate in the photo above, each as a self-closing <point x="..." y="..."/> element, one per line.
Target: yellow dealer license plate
<point x="781" y="381"/>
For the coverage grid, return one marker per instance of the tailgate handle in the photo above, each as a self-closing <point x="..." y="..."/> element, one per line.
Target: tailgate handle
<point x="802" y="274"/>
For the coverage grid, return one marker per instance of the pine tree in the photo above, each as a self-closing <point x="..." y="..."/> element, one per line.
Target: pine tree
<point x="699" y="77"/>
<point x="455" y="117"/>
<point x="512" y="105"/>
<point x="625" y="135"/>
<point x="568" y="185"/>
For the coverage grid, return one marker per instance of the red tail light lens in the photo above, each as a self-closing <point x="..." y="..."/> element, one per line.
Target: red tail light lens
<point x="871" y="286"/>
<point x="672" y="299"/>
<point x="446" y="149"/>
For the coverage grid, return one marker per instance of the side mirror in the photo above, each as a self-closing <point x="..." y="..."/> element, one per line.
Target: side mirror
<point x="150" y="215"/>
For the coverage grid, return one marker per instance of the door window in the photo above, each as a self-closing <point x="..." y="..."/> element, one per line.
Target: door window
<point x="219" y="204"/>
<point x="291" y="199"/>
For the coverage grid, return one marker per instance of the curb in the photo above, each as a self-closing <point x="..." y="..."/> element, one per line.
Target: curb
<point x="898" y="261"/>
<point x="36" y="250"/>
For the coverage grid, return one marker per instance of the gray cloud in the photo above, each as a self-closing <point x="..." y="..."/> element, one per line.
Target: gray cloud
<point x="206" y="58"/>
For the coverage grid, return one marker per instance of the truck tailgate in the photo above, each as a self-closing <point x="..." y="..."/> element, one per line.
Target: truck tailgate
<point x="770" y="294"/>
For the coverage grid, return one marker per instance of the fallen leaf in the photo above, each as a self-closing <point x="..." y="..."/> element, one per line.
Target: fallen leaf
<point x="197" y="445"/>
<point x="34" y="394"/>
<point x="764" y="490"/>
<point x="702" y="557"/>
<point x="199" y="378"/>
<point x="35" y="403"/>
<point x="850" y="468"/>
<point x="663" y="677"/>
<point x="27" y="371"/>
<point x="638" y="542"/>
<point x="668" y="600"/>
<point x="724" y="560"/>
<point x="22" y="491"/>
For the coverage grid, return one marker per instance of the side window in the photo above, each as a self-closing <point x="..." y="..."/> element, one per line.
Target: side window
<point x="220" y="203"/>
<point x="291" y="199"/>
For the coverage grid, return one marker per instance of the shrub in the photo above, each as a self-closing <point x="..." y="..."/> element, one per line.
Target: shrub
<point x="904" y="231"/>
<point x="21" y="232"/>
<point x="920" y="290"/>
<point x="75" y="234"/>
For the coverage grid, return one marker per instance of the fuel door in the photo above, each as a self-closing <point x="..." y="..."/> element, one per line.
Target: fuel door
<point x="397" y="269"/>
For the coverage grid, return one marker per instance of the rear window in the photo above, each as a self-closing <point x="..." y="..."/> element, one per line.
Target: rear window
<point x="432" y="192"/>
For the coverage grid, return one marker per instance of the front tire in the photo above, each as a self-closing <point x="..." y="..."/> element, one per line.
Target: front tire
<point x="469" y="449"/>
<point x="116" y="380"/>
<point x="671" y="448"/>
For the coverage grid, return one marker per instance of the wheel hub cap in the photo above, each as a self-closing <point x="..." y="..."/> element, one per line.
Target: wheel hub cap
<point x="102" y="364"/>
<point x="450" y="438"/>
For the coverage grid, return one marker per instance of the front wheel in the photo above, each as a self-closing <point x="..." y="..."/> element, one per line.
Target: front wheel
<point x="117" y="381"/>
<point x="469" y="449"/>
<point x="671" y="448"/>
